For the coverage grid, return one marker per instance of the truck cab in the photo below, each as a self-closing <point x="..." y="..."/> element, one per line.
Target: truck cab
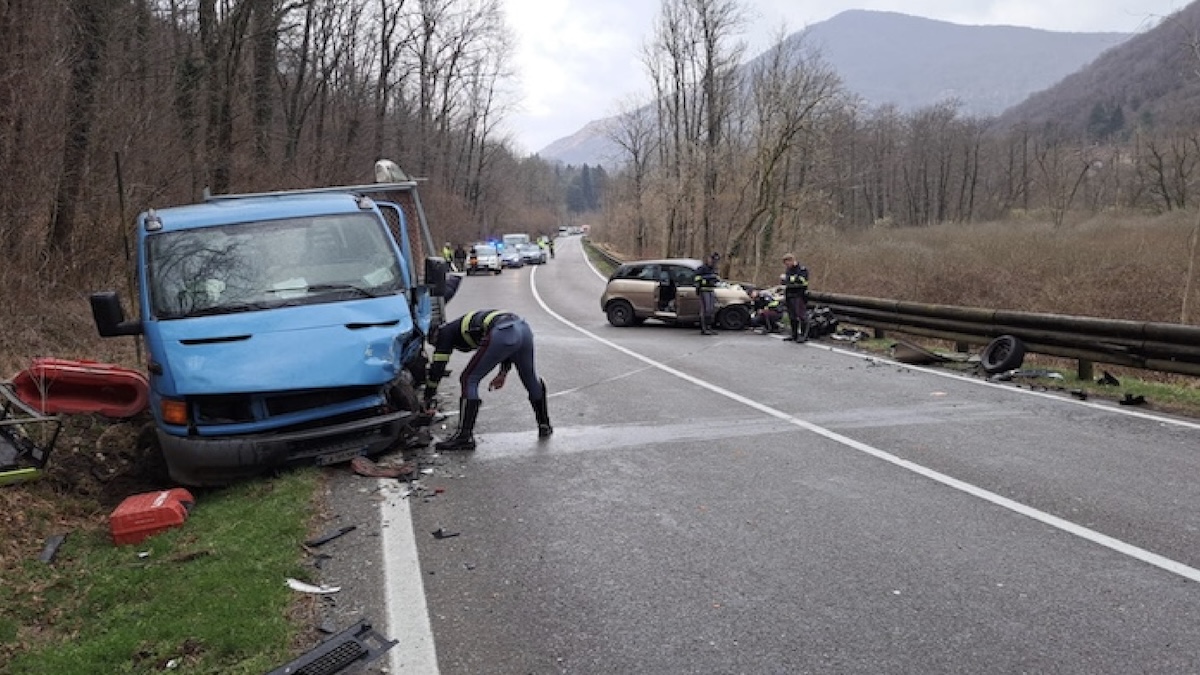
<point x="282" y="327"/>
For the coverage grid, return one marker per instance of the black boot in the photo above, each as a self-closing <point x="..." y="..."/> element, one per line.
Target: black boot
<point x="463" y="439"/>
<point x="542" y="413"/>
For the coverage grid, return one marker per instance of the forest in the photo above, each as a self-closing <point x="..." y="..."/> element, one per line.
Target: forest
<point x="108" y="107"/>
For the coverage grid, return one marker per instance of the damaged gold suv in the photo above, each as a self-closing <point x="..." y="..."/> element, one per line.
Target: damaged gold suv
<point x="665" y="290"/>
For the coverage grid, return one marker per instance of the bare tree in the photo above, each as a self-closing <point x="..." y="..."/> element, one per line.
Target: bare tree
<point x="793" y="94"/>
<point x="634" y="133"/>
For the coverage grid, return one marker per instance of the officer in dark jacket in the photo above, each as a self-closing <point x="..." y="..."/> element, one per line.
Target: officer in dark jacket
<point x="497" y="338"/>
<point x="795" y="296"/>
<point x="706" y="290"/>
<point x="767" y="311"/>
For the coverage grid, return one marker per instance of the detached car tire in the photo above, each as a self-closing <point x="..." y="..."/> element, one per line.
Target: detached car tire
<point x="620" y="313"/>
<point x="1006" y="352"/>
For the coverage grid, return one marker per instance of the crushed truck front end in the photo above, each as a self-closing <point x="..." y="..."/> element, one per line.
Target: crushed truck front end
<point x="280" y="328"/>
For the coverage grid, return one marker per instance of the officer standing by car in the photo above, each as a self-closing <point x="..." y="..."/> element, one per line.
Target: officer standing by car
<point x="460" y="259"/>
<point x="498" y="338"/>
<point x="795" y="296"/>
<point x="706" y="291"/>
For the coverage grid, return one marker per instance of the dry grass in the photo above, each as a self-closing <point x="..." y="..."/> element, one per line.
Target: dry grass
<point x="1122" y="268"/>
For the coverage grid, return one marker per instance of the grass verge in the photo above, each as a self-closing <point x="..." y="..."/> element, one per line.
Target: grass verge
<point x="209" y="596"/>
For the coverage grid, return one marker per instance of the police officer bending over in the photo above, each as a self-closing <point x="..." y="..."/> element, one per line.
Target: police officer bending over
<point x="497" y="338"/>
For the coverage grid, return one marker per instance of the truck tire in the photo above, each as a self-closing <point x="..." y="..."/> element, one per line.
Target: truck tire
<point x="1006" y="352"/>
<point x="402" y="393"/>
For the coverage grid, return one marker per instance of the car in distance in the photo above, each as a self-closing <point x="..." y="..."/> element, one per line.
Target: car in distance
<point x="511" y="257"/>
<point x="665" y="290"/>
<point x="532" y="254"/>
<point x="484" y="258"/>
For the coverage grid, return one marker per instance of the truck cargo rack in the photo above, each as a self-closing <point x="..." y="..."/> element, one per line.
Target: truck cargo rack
<point x="26" y="438"/>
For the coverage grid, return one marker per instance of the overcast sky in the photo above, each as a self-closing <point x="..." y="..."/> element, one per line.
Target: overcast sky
<point x="578" y="60"/>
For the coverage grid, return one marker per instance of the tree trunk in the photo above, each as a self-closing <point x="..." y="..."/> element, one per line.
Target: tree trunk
<point x="88" y="37"/>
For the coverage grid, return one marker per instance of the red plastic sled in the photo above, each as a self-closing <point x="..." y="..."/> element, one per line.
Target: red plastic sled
<point x="54" y="386"/>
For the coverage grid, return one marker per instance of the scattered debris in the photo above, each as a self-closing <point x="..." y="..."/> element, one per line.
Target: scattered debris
<point x="1130" y="399"/>
<point x="443" y="533"/>
<point x="51" y="549"/>
<point x="1108" y="380"/>
<point x="1079" y="394"/>
<point x="357" y="645"/>
<point x="330" y="535"/>
<point x="144" y="515"/>
<point x="363" y="466"/>
<point x="906" y="352"/>
<point x="189" y="556"/>
<point x="1036" y="373"/>
<point x="297" y="585"/>
<point x="848" y="335"/>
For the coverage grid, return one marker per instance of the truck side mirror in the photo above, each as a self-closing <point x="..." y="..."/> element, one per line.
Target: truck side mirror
<point x="435" y="276"/>
<point x="110" y="318"/>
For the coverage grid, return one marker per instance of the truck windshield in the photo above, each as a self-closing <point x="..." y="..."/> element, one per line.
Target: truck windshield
<point x="262" y="265"/>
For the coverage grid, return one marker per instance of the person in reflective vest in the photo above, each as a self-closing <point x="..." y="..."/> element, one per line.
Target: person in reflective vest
<point x="448" y="254"/>
<point x="498" y="338"/>
<point x="767" y="311"/>
<point x="706" y="280"/>
<point x="795" y="296"/>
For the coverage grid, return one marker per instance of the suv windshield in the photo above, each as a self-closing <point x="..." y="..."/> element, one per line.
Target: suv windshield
<point x="251" y="266"/>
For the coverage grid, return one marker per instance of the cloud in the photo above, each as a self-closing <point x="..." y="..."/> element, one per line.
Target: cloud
<point x="578" y="59"/>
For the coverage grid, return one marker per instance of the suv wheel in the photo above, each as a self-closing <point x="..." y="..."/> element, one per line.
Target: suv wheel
<point x="620" y="313"/>
<point x="734" y="318"/>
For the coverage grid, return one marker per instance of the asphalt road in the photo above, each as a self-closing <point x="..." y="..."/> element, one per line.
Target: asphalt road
<point x="739" y="504"/>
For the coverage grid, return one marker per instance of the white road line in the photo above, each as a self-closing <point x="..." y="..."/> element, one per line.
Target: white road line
<point x="1117" y="545"/>
<point x="1131" y="412"/>
<point x="407" y="621"/>
<point x="417" y="653"/>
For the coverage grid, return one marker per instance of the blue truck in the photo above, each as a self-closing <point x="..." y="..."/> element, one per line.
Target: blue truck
<point x="283" y="327"/>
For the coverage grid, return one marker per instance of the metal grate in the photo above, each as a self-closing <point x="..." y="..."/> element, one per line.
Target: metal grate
<point x="355" y="645"/>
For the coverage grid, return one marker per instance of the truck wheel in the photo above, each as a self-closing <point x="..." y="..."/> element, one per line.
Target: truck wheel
<point x="403" y="394"/>
<point x="620" y="313"/>
<point x="734" y="318"/>
<point x="1006" y="352"/>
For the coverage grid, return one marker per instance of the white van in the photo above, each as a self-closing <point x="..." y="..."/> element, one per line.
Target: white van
<point x="515" y="240"/>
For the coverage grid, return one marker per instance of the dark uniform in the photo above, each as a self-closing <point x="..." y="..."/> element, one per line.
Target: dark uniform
<point x="795" y="296"/>
<point x="497" y="338"/>
<point x="460" y="258"/>
<point x="767" y="311"/>
<point x="706" y="290"/>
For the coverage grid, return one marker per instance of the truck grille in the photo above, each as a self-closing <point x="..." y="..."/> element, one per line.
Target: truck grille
<point x="241" y="408"/>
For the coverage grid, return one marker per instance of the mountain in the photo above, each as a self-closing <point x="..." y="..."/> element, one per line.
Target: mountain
<point x="886" y="57"/>
<point x="912" y="62"/>
<point x="1152" y="80"/>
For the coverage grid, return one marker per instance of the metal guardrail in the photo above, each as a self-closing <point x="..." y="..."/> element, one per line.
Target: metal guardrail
<point x="1163" y="347"/>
